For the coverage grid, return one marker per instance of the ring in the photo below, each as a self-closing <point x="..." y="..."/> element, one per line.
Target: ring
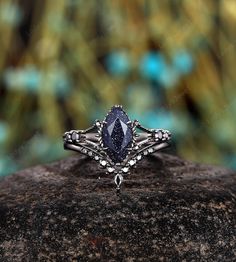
<point x="117" y="143"/>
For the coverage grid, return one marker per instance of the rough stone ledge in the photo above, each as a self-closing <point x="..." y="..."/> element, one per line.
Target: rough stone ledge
<point x="169" y="210"/>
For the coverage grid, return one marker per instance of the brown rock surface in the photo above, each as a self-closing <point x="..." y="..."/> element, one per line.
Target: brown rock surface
<point x="168" y="210"/>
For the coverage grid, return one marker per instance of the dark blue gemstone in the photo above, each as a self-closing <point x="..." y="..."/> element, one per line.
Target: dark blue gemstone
<point x="117" y="134"/>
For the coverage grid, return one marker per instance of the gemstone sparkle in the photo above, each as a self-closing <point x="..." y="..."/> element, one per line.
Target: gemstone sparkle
<point x="117" y="134"/>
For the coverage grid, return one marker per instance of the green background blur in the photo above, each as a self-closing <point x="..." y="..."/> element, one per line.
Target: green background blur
<point x="170" y="63"/>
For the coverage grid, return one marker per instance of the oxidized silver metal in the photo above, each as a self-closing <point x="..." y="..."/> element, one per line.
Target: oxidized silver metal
<point x="89" y="142"/>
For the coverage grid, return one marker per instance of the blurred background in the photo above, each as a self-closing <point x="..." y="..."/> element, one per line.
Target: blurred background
<point x="170" y="63"/>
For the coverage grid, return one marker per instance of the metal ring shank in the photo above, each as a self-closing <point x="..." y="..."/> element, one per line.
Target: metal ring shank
<point x="79" y="148"/>
<point x="89" y="142"/>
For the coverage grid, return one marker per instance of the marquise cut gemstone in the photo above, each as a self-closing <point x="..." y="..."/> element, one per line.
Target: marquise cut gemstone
<point x="117" y="134"/>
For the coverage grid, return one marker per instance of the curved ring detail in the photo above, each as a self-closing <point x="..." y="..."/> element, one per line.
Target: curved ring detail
<point x="132" y="139"/>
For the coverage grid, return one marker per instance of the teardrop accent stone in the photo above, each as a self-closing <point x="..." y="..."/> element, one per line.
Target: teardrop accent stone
<point x="117" y="134"/>
<point x="118" y="180"/>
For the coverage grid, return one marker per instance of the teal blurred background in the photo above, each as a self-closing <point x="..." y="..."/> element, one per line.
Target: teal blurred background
<point x="63" y="64"/>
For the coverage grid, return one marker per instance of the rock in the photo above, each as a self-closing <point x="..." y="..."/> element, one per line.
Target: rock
<point x="168" y="210"/>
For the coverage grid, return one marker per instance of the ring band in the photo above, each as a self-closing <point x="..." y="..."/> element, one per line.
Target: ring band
<point x="117" y="143"/>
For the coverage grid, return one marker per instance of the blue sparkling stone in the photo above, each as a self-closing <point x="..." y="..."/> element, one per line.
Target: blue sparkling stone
<point x="117" y="134"/>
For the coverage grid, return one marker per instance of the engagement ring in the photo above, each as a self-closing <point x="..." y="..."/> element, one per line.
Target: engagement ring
<point x="117" y="143"/>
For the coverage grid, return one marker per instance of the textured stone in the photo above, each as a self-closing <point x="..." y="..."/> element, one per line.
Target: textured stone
<point x="168" y="210"/>
<point x="117" y="134"/>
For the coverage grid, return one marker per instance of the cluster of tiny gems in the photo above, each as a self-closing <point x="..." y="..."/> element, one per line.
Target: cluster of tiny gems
<point x="114" y="142"/>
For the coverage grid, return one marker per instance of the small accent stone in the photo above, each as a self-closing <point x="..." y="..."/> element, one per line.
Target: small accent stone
<point x="125" y="169"/>
<point x="165" y="135"/>
<point x="103" y="163"/>
<point x="150" y="150"/>
<point x="139" y="157"/>
<point x="159" y="134"/>
<point x="75" y="136"/>
<point x="145" y="152"/>
<point x="118" y="179"/>
<point x="98" y="123"/>
<point x="96" y="158"/>
<point x="132" y="162"/>
<point x="68" y="137"/>
<point x="110" y="169"/>
<point x="90" y="153"/>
